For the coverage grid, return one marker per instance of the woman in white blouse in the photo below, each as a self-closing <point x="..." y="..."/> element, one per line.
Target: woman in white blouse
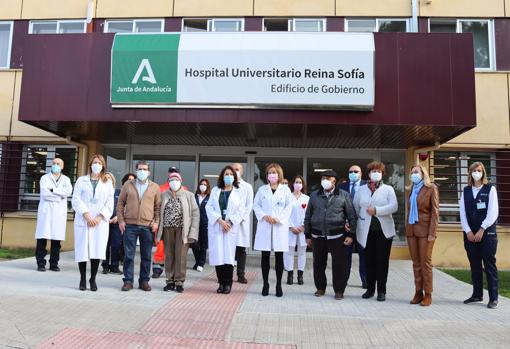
<point x="479" y="212"/>
<point x="375" y="203"/>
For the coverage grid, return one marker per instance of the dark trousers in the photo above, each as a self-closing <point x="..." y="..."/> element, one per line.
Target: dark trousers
<point x="241" y="260"/>
<point x="200" y="254"/>
<point x="483" y="252"/>
<point x="145" y="236"/>
<point x="377" y="258"/>
<point x="40" y="252"/>
<point x="265" y="265"/>
<point x="224" y="273"/>
<point x="362" y="267"/>
<point x="321" y="248"/>
<point x="113" y="248"/>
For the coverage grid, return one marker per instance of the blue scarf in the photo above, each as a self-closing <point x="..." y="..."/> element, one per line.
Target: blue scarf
<point x="413" y="209"/>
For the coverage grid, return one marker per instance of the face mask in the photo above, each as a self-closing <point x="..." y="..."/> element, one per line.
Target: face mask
<point x="298" y="187"/>
<point x="477" y="175"/>
<point x="326" y="184"/>
<point x="142" y="175"/>
<point x="375" y="176"/>
<point x="353" y="177"/>
<point x="175" y="185"/>
<point x="228" y="179"/>
<point x="203" y="188"/>
<point x="272" y="178"/>
<point x="238" y="175"/>
<point x="416" y="178"/>
<point x="56" y="169"/>
<point x="96" y="168"/>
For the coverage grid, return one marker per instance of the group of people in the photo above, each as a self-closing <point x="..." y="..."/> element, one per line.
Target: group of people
<point x="336" y="219"/>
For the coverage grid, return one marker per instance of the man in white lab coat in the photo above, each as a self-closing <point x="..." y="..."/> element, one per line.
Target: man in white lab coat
<point x="243" y="237"/>
<point x="55" y="188"/>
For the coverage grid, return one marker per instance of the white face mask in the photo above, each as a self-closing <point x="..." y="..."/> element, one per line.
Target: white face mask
<point x="477" y="175"/>
<point x="203" y="188"/>
<point x="96" y="168"/>
<point x="375" y="176"/>
<point x="326" y="184"/>
<point x="175" y="185"/>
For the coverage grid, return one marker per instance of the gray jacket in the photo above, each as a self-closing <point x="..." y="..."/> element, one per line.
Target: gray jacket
<point x="327" y="216"/>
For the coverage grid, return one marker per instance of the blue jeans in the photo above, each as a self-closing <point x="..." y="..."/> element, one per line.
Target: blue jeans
<point x="145" y="236"/>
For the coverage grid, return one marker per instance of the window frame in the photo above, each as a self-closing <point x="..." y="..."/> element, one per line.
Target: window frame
<point x="291" y="23"/>
<point x="133" y="23"/>
<point x="377" y="20"/>
<point x="9" y="47"/>
<point x="58" y="22"/>
<point x="211" y="21"/>
<point x="490" y="32"/>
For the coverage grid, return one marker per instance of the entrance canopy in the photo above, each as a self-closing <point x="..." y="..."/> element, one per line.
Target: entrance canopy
<point x="423" y="87"/>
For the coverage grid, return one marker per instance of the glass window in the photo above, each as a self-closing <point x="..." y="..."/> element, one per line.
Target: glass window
<point x="277" y="24"/>
<point x="395" y="163"/>
<point x="57" y="27"/>
<point x="227" y="25"/>
<point x="361" y="25"/>
<point x="137" y="26"/>
<point x="116" y="163"/>
<point x="211" y="166"/>
<point x="159" y="165"/>
<point x="392" y="25"/>
<point x="72" y="27"/>
<point x="36" y="162"/>
<point x="5" y="44"/>
<point x="309" y="25"/>
<point x="443" y="26"/>
<point x="480" y="30"/>
<point x="46" y="27"/>
<point x="119" y="27"/>
<point x="148" y="26"/>
<point x="377" y="25"/>
<point x="215" y="25"/>
<point x="194" y="25"/>
<point x="290" y="166"/>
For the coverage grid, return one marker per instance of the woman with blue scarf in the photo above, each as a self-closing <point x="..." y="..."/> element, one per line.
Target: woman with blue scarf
<point x="421" y="225"/>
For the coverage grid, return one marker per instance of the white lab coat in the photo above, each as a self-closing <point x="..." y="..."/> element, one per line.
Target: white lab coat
<point x="52" y="211"/>
<point x="90" y="243"/>
<point x="272" y="237"/>
<point x="244" y="236"/>
<point x="297" y="218"/>
<point x="385" y="202"/>
<point x="222" y="246"/>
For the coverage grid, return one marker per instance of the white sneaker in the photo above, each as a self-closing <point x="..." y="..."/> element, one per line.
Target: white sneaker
<point x="200" y="269"/>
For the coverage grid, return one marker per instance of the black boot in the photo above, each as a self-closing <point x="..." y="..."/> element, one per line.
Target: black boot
<point x="279" y="273"/>
<point x="264" y="264"/>
<point x="227" y="287"/>
<point x="300" y="277"/>
<point x="290" y="277"/>
<point x="83" y="275"/>
<point x="94" y="265"/>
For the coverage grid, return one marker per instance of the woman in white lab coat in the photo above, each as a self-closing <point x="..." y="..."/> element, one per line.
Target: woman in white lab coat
<point x="297" y="230"/>
<point x="93" y="203"/>
<point x="272" y="206"/>
<point x="224" y="214"/>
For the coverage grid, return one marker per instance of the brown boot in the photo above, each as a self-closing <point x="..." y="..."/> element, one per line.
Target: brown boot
<point x="418" y="297"/>
<point x="427" y="300"/>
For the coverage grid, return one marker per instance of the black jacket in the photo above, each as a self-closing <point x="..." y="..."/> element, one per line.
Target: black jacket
<point x="327" y="217"/>
<point x="203" y="226"/>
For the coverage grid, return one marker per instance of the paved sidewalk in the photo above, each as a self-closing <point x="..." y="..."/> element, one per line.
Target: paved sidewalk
<point x="47" y="310"/>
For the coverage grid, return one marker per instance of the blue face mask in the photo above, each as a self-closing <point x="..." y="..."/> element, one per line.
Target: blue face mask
<point x="228" y="179"/>
<point x="353" y="177"/>
<point x="415" y="178"/>
<point x="55" y="168"/>
<point x="142" y="174"/>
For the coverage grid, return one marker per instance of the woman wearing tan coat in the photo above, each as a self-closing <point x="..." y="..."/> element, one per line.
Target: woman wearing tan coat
<point x="421" y="226"/>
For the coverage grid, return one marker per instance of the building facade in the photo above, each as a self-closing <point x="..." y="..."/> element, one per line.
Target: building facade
<point x="441" y="97"/>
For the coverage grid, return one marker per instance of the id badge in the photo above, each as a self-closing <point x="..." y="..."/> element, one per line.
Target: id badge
<point x="224" y="213"/>
<point x="481" y="205"/>
<point x="93" y="201"/>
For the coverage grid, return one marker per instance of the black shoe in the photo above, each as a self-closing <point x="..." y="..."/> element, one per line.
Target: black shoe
<point x="83" y="285"/>
<point x="116" y="271"/>
<point x="169" y="287"/>
<point x="473" y="299"/>
<point x="106" y="270"/>
<point x="41" y="269"/>
<point x="241" y="279"/>
<point x="179" y="289"/>
<point x="227" y="288"/>
<point x="364" y="285"/>
<point x="156" y="275"/>
<point x="221" y="288"/>
<point x="279" y="291"/>
<point x="265" y="290"/>
<point x="300" y="277"/>
<point x="93" y="285"/>
<point x="381" y="297"/>
<point x="368" y="294"/>
<point x="290" y="277"/>
<point x="55" y="268"/>
<point x="195" y="267"/>
<point x="492" y="304"/>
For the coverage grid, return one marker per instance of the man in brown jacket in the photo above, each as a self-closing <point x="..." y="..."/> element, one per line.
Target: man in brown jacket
<point x="138" y="213"/>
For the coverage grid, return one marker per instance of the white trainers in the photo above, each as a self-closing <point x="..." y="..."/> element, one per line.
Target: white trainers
<point x="200" y="268"/>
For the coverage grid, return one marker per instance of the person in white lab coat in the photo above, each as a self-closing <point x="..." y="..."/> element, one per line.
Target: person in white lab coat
<point x="297" y="230"/>
<point x="225" y="214"/>
<point x="93" y="203"/>
<point x="272" y="206"/>
<point x="244" y="236"/>
<point x="55" y="188"/>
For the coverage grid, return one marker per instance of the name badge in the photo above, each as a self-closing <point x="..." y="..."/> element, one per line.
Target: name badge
<point x="224" y="212"/>
<point x="93" y="201"/>
<point x="481" y="205"/>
